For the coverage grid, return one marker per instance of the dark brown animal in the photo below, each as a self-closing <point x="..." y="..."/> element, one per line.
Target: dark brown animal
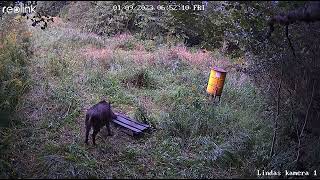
<point x="98" y="116"/>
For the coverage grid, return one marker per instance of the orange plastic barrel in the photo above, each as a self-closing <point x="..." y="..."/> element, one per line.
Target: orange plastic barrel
<point x="216" y="81"/>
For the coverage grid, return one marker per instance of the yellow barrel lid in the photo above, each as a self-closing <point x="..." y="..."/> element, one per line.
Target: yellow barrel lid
<point x="218" y="69"/>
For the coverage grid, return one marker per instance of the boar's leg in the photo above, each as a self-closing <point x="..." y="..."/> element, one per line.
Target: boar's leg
<point x="108" y="128"/>
<point x="88" y="128"/>
<point x="94" y="134"/>
<point x="87" y="133"/>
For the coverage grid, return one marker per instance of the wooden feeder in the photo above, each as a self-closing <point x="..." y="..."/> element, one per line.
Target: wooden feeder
<point x="130" y="126"/>
<point x="216" y="82"/>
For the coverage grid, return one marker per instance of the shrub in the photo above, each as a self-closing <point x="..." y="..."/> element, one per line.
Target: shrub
<point x="140" y="79"/>
<point x="51" y="8"/>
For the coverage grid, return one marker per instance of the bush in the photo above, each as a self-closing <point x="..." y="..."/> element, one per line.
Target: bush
<point x="140" y="79"/>
<point x="51" y="8"/>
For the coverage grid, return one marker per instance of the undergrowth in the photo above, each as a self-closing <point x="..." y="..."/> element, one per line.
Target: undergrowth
<point x="193" y="137"/>
<point x="14" y="82"/>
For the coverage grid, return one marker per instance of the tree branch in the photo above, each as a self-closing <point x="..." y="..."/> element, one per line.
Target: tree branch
<point x="278" y="114"/>
<point x="305" y="122"/>
<point x="309" y="106"/>
<point x="309" y="13"/>
<point x="290" y="44"/>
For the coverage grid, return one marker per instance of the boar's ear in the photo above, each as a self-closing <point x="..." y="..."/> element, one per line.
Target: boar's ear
<point x="103" y="99"/>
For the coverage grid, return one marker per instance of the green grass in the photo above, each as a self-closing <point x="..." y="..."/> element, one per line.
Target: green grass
<point x="13" y="78"/>
<point x="194" y="138"/>
<point x="14" y="82"/>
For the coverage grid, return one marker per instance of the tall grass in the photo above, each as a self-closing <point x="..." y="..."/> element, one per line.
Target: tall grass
<point x="165" y="87"/>
<point x="13" y="77"/>
<point x="235" y="125"/>
<point x="14" y="82"/>
<point x="14" y="51"/>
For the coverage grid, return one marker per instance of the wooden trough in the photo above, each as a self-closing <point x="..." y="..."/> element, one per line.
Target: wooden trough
<point x="130" y="126"/>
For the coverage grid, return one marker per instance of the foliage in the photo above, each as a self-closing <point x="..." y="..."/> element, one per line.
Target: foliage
<point x="277" y="62"/>
<point x="14" y="81"/>
<point x="50" y="8"/>
<point x="69" y="80"/>
<point x="136" y="59"/>
<point x="103" y="19"/>
<point x="13" y="72"/>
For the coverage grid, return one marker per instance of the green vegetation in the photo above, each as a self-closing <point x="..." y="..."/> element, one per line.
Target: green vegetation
<point x="14" y="82"/>
<point x="191" y="132"/>
<point x="140" y="62"/>
<point x="13" y="73"/>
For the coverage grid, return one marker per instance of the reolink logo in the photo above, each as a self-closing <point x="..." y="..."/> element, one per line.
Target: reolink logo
<point x="20" y="8"/>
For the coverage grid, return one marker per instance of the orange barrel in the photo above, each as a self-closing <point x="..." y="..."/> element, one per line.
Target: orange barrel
<point x="216" y="81"/>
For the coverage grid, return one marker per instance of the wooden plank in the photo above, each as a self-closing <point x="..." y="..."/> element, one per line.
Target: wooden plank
<point x="129" y="119"/>
<point x="127" y="126"/>
<point x="131" y="123"/>
<point x="141" y="124"/>
<point x="127" y="131"/>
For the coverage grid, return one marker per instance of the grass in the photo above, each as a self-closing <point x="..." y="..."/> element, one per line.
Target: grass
<point x="193" y="137"/>
<point x="14" y="78"/>
<point x="14" y="82"/>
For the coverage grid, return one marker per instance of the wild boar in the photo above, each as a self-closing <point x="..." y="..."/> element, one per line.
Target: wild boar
<point x="97" y="116"/>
